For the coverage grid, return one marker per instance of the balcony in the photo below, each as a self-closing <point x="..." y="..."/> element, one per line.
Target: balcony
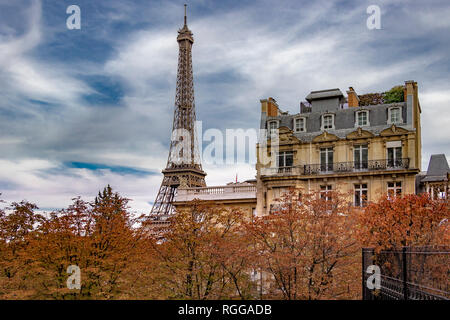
<point x="338" y="167"/>
<point x="227" y="192"/>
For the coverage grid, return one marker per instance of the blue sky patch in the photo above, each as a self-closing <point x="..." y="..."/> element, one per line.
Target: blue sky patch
<point x="116" y="169"/>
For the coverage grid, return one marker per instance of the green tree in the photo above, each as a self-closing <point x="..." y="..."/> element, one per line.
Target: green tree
<point x="395" y="94"/>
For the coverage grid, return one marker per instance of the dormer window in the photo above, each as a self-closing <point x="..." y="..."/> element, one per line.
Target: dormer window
<point x="362" y="118"/>
<point x="395" y="115"/>
<point x="272" y="125"/>
<point x="328" y="121"/>
<point x="300" y="125"/>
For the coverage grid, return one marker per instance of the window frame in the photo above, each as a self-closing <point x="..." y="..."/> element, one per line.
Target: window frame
<point x="393" y="163"/>
<point x="325" y="191"/>
<point x="396" y="186"/>
<point x="390" y="112"/>
<point x="360" y="188"/>
<point x="302" y="120"/>
<point x="287" y="152"/>
<point x="357" y="114"/>
<point x="272" y="133"/>
<point x="269" y="122"/>
<point x="327" y="165"/>
<point x="362" y="163"/>
<point x="326" y="115"/>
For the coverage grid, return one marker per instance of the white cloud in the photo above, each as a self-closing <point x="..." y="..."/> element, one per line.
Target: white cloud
<point x="239" y="57"/>
<point x="43" y="183"/>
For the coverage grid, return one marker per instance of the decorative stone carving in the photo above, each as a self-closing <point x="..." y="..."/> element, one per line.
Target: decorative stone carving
<point x="360" y="134"/>
<point x="286" y="136"/>
<point x="393" y="131"/>
<point x="325" y="137"/>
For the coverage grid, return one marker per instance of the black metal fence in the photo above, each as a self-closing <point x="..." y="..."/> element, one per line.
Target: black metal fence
<point x="411" y="273"/>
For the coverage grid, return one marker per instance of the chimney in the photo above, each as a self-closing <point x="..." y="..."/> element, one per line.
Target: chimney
<point x="411" y="88"/>
<point x="353" y="100"/>
<point x="272" y="107"/>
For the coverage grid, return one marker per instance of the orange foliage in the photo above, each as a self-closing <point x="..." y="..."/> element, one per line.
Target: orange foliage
<point x="409" y="220"/>
<point x="203" y="255"/>
<point x="307" y="248"/>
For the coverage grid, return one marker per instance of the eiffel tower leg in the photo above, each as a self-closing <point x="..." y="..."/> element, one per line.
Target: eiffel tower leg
<point x="164" y="199"/>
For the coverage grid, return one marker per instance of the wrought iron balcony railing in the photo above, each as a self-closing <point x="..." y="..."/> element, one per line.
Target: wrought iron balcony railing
<point x="355" y="166"/>
<point x="340" y="167"/>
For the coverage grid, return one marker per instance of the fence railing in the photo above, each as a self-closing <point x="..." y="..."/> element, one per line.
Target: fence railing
<point x="411" y="273"/>
<point x="232" y="191"/>
<point x="218" y="189"/>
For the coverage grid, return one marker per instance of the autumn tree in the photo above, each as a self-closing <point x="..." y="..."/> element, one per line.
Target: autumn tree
<point x="202" y="255"/>
<point x="408" y="220"/>
<point x="15" y="228"/>
<point x="98" y="237"/>
<point x="307" y="248"/>
<point x="371" y="99"/>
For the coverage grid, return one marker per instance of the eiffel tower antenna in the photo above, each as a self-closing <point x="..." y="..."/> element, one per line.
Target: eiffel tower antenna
<point x="183" y="164"/>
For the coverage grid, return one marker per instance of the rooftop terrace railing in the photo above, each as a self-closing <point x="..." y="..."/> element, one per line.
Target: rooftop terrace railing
<point x="217" y="191"/>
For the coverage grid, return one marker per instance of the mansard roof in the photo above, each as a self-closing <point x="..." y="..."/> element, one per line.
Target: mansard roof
<point x="345" y="121"/>
<point x="438" y="169"/>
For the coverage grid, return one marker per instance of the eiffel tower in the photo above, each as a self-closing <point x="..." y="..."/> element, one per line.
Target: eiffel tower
<point x="183" y="164"/>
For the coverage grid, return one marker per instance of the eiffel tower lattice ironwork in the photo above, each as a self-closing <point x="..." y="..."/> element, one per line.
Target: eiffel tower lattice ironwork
<point x="183" y="164"/>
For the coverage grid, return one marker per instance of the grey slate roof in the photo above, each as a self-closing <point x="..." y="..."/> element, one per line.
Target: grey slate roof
<point x="437" y="169"/>
<point x="344" y="120"/>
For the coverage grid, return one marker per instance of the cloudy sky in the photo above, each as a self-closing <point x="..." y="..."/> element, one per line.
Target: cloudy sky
<point x="83" y="108"/>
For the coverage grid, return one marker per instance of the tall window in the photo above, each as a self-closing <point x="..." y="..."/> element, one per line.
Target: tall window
<point x="360" y="194"/>
<point x="325" y="192"/>
<point x="300" y="125"/>
<point x="395" y="115"/>
<point x="285" y="159"/>
<point x="394" y="189"/>
<point x="362" y="118"/>
<point x="327" y="121"/>
<point x="360" y="156"/>
<point x="326" y="159"/>
<point x="394" y="155"/>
